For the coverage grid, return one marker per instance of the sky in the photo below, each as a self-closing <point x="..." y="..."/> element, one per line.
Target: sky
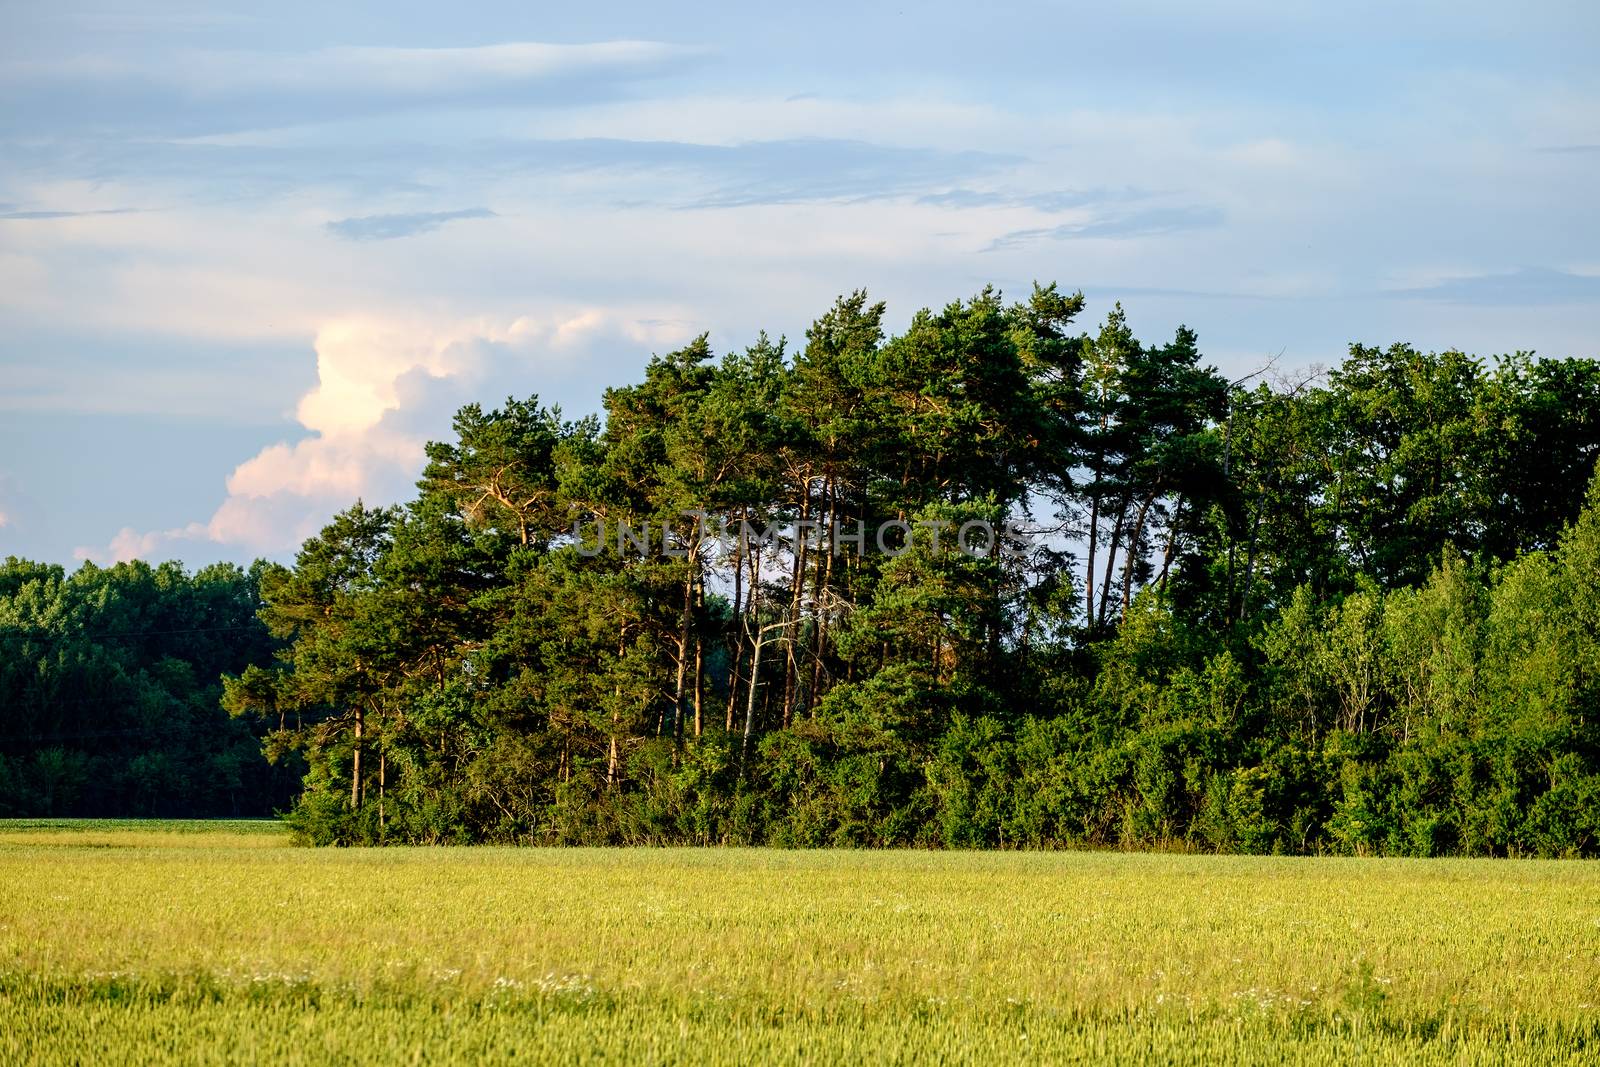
<point x="252" y="258"/>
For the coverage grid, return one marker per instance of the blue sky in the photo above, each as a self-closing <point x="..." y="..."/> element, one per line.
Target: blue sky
<point x="252" y="258"/>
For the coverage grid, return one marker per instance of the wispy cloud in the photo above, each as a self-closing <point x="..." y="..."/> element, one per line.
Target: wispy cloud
<point x="785" y="171"/>
<point x="1151" y="222"/>
<point x="735" y="180"/>
<point x="389" y="227"/>
<point x="1050" y="202"/>
<point x="812" y="169"/>
<point x="25" y="216"/>
<point x="214" y="91"/>
<point x="1525" y="287"/>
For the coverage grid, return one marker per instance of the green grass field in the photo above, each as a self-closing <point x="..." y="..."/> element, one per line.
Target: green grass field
<point x="184" y="942"/>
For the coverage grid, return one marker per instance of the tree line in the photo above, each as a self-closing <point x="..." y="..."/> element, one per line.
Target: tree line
<point x="1352" y="611"/>
<point x="110" y="682"/>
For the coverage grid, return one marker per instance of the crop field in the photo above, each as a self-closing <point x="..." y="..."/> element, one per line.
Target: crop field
<point x="148" y="943"/>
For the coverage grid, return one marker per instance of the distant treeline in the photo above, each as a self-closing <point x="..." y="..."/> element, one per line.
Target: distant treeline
<point x="1351" y="612"/>
<point x="110" y="681"/>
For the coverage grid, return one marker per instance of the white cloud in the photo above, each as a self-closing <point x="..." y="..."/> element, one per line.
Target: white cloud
<point x="131" y="544"/>
<point x="729" y="119"/>
<point x="428" y="71"/>
<point x="238" y="162"/>
<point x="10" y="499"/>
<point x="385" y="385"/>
<point x="393" y="72"/>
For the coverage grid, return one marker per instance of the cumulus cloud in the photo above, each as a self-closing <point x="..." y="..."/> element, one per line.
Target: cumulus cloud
<point x="384" y="387"/>
<point x="131" y="544"/>
<point x="9" y="499"/>
<point x="388" y="227"/>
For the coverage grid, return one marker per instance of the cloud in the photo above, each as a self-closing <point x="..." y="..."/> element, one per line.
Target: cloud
<point x="385" y="386"/>
<point x="417" y="73"/>
<point x="212" y="91"/>
<point x="1151" y="222"/>
<point x="1049" y="202"/>
<point x="389" y="227"/>
<point x="10" y="499"/>
<point x="1528" y="286"/>
<point x="806" y="169"/>
<point x="131" y="544"/>
<point x="36" y="215"/>
<point x="702" y="175"/>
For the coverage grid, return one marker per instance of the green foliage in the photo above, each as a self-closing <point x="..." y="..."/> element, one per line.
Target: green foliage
<point x="1346" y="614"/>
<point x="109" y="687"/>
<point x="1294" y="629"/>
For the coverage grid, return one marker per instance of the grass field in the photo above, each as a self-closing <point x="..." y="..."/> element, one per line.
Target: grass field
<point x="144" y="943"/>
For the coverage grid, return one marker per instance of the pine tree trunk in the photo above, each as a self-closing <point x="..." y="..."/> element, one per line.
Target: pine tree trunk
<point x="820" y="586"/>
<point x="1111" y="558"/>
<point x="1133" y="553"/>
<point x="1088" y="574"/>
<point x="616" y="714"/>
<point x="355" y="765"/>
<point x="699" y="663"/>
<point x="791" y="665"/>
<point x="750" y="706"/>
<point x="739" y="609"/>
<point x="683" y="660"/>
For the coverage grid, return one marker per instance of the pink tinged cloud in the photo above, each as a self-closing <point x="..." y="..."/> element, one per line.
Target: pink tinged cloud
<point x="377" y="379"/>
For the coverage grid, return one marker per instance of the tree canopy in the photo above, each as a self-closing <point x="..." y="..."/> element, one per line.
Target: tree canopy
<point x="996" y="580"/>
